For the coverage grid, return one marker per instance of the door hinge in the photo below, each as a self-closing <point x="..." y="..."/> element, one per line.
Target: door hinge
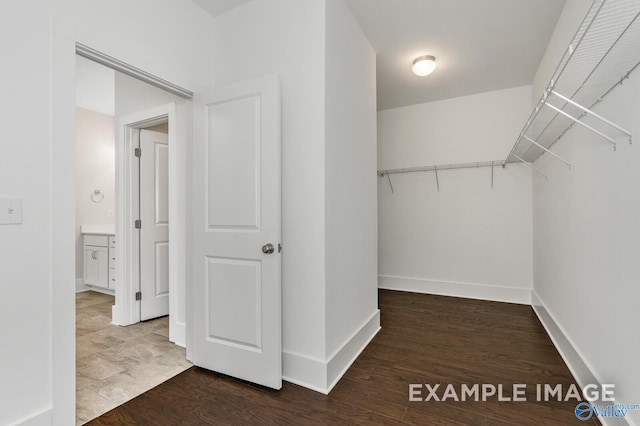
<point x="279" y="248"/>
<point x="139" y="295"/>
<point x="138" y="224"/>
<point x="138" y="152"/>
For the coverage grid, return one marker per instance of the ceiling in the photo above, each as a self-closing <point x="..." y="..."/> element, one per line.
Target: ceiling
<point x="218" y="7"/>
<point x="479" y="45"/>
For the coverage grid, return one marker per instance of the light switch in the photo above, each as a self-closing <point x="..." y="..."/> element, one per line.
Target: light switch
<point x="10" y="211"/>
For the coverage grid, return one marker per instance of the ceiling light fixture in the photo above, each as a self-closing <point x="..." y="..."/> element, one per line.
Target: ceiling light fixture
<point x="423" y="65"/>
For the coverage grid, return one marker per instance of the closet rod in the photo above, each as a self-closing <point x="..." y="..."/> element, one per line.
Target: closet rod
<point x="441" y="167"/>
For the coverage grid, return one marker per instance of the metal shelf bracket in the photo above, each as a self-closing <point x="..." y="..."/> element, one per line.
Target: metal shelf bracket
<point x="593" y="114"/>
<point x="530" y="165"/>
<point x="582" y="123"/>
<point x="547" y="150"/>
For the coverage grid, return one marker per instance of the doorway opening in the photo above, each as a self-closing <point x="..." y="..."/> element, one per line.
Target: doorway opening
<point x="119" y="355"/>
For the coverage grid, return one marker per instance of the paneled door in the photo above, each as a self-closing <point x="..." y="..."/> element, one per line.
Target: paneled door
<point x="236" y="282"/>
<point x="154" y="234"/>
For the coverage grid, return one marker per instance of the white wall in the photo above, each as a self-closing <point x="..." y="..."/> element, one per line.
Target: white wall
<point x="286" y="37"/>
<point x="467" y="240"/>
<point x="480" y="127"/>
<point x="133" y="96"/>
<point x="37" y="258"/>
<point x="586" y="244"/>
<point x="95" y="169"/>
<point x="586" y="233"/>
<point x="350" y="178"/>
<point x="95" y="86"/>
<point x="25" y="252"/>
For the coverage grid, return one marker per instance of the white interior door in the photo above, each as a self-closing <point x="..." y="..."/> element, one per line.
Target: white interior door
<point x="236" y="287"/>
<point x="154" y="215"/>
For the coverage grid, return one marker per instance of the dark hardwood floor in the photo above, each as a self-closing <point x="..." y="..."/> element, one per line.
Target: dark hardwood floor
<point x="424" y="339"/>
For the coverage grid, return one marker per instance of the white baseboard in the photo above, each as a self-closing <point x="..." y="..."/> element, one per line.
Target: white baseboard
<point x="102" y="290"/>
<point x="81" y="286"/>
<point x="115" y="314"/>
<point x="346" y="355"/>
<point x="571" y="356"/>
<point x="178" y="333"/>
<point x="304" y="371"/>
<point x="456" y="289"/>
<point x="41" y="418"/>
<point x="322" y="376"/>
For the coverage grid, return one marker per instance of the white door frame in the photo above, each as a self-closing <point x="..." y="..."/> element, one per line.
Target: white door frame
<point x="126" y="310"/>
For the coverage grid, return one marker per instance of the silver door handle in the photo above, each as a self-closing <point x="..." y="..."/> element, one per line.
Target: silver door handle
<point x="268" y="248"/>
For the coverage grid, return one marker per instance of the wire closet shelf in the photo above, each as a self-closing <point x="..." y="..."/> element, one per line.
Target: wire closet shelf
<point x="602" y="54"/>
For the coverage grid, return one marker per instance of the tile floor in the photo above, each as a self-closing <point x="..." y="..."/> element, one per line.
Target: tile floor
<point x="115" y="364"/>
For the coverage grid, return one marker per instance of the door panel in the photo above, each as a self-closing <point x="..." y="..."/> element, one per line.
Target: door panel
<point x="161" y="287"/>
<point x="154" y="234"/>
<point x="236" y="288"/>
<point x="234" y="169"/>
<point x="233" y="288"/>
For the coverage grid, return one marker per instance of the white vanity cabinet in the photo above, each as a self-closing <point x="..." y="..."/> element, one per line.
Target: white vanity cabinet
<point x="112" y="262"/>
<point x="99" y="261"/>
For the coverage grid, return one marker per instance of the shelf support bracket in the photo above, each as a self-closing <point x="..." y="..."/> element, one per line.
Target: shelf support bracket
<point x="547" y="150"/>
<point x="492" y="174"/>
<point x="575" y="120"/>
<point x="593" y="114"/>
<point x="531" y="166"/>
<point x="383" y="174"/>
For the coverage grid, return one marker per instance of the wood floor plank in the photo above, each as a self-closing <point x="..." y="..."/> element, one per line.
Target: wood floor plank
<point x="424" y="339"/>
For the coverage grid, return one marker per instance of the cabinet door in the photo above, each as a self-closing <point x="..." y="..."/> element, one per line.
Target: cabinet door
<point x="112" y="263"/>
<point x="96" y="266"/>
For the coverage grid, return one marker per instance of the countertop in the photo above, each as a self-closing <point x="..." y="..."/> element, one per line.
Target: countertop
<point x="98" y="229"/>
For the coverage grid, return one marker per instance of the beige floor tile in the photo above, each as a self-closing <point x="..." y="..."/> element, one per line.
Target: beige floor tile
<point x="162" y="331"/>
<point x="101" y="308"/>
<point x="90" y="405"/>
<point x="91" y="343"/>
<point x="84" y="382"/>
<point x="92" y="299"/>
<point x="97" y="368"/>
<point x="115" y="364"/>
<point x="122" y="387"/>
<point x="95" y="323"/>
<point x="123" y="333"/>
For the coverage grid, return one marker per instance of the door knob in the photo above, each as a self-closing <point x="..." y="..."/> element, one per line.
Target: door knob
<point x="268" y="248"/>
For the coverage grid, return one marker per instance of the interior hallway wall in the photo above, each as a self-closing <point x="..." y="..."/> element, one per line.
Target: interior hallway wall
<point x="468" y="239"/>
<point x="351" y="197"/>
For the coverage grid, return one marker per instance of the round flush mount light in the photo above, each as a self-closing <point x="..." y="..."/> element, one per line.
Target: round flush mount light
<point x="423" y="65"/>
